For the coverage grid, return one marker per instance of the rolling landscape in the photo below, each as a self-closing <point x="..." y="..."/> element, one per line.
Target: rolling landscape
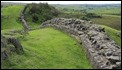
<point x="45" y="36"/>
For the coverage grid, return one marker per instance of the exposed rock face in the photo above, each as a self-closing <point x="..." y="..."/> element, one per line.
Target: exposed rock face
<point x="3" y="46"/>
<point x="102" y="52"/>
<point x="17" y="44"/>
<point x="9" y="45"/>
<point x="4" y="55"/>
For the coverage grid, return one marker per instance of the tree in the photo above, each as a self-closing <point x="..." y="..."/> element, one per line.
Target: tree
<point x="40" y="12"/>
<point x="35" y="17"/>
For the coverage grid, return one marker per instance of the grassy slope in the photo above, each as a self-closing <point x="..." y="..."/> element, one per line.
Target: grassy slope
<point x="106" y="11"/>
<point x="11" y="14"/>
<point x="109" y="14"/>
<point x="111" y="21"/>
<point x="49" y="48"/>
<point x="112" y="34"/>
<point x="108" y="17"/>
<point x="55" y="54"/>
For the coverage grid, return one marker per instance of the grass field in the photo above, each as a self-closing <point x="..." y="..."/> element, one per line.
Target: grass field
<point x="49" y="48"/>
<point x="111" y="15"/>
<point x="111" y="21"/>
<point x="106" y="11"/>
<point x="10" y="17"/>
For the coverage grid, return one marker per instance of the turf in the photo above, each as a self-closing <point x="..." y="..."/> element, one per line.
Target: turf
<point x="49" y="48"/>
<point x="111" y="21"/>
<point x="106" y="11"/>
<point x="10" y="17"/>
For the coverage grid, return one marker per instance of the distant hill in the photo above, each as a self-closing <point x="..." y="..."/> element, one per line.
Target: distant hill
<point x="12" y="3"/>
<point x="87" y="6"/>
<point x="106" y="11"/>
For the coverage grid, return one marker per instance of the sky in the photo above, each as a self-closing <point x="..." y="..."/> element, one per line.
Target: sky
<point x="69" y="2"/>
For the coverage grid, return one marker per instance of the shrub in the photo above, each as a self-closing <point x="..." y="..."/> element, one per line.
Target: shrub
<point x="92" y="15"/>
<point x="39" y="13"/>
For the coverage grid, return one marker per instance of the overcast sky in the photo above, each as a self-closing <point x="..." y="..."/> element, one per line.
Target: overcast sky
<point x="69" y="2"/>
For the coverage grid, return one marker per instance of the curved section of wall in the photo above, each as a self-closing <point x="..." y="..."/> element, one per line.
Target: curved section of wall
<point x="102" y="52"/>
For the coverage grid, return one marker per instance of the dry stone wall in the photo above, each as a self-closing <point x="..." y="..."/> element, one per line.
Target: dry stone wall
<point x="24" y="23"/>
<point x="102" y="52"/>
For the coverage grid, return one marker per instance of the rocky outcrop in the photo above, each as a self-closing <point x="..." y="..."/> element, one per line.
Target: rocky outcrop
<point x="102" y="52"/>
<point x="9" y="45"/>
<point x="16" y="44"/>
<point x="3" y="46"/>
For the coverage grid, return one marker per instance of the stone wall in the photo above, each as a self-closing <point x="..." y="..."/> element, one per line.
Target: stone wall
<point x="102" y="52"/>
<point x="24" y="23"/>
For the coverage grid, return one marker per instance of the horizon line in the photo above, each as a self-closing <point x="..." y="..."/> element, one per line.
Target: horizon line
<point x="61" y="2"/>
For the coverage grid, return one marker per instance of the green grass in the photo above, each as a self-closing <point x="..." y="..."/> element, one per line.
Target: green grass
<point x="33" y="25"/>
<point x="111" y="21"/>
<point x="106" y="11"/>
<point x="10" y="19"/>
<point x="49" y="48"/>
<point x="112" y="33"/>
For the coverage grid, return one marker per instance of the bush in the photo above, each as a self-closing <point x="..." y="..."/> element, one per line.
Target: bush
<point x="85" y="18"/>
<point x="35" y="17"/>
<point x="39" y="13"/>
<point x="92" y="15"/>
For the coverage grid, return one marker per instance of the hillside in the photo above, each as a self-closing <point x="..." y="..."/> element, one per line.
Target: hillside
<point x="110" y="13"/>
<point x="64" y="53"/>
<point x="49" y="48"/>
<point x="109" y="20"/>
<point x="94" y="8"/>
<point x="35" y="14"/>
<point x="96" y="43"/>
<point x="10" y="16"/>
